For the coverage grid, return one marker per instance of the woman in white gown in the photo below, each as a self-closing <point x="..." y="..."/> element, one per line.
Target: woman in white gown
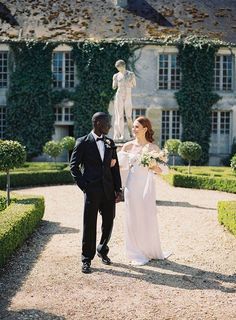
<point x="141" y="226"/>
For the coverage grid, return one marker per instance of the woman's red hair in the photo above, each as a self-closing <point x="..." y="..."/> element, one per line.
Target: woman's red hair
<point x="146" y="123"/>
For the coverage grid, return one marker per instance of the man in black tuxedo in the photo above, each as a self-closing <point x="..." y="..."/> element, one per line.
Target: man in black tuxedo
<point x="94" y="167"/>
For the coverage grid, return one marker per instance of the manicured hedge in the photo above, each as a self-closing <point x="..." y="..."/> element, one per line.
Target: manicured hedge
<point x="17" y="222"/>
<point x="3" y="202"/>
<point x="202" y="182"/>
<point x="40" y="178"/>
<point x="227" y="215"/>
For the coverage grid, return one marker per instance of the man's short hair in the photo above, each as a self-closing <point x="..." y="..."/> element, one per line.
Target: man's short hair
<point x="120" y="63"/>
<point x="100" y="115"/>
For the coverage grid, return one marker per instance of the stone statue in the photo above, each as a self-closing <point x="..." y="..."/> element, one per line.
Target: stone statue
<point x="123" y="81"/>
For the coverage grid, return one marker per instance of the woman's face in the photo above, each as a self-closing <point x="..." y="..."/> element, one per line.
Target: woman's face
<point x="138" y="130"/>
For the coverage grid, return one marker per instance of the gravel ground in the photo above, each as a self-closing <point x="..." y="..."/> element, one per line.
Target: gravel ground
<point x="44" y="281"/>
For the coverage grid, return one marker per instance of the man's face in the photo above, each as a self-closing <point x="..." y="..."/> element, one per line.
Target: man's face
<point x="104" y="125"/>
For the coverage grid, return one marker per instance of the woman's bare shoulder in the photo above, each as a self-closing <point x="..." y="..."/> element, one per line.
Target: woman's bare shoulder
<point x="154" y="146"/>
<point x="127" y="146"/>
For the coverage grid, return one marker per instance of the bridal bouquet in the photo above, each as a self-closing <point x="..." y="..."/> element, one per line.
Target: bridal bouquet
<point x="152" y="158"/>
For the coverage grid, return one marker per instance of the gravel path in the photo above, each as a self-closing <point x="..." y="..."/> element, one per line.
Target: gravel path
<point x="44" y="281"/>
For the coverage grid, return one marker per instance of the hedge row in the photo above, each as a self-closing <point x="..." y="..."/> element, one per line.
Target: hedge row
<point x="41" y="178"/>
<point x="17" y="222"/>
<point x="201" y="182"/>
<point x="227" y="215"/>
<point x="3" y="202"/>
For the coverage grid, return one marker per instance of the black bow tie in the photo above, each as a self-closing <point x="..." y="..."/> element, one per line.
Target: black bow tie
<point x="100" y="139"/>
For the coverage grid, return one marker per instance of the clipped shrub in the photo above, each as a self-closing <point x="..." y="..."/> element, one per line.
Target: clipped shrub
<point x="3" y="202"/>
<point x="227" y="215"/>
<point x="40" y="178"/>
<point x="68" y="144"/>
<point x="201" y="182"/>
<point x="189" y="151"/>
<point x="172" y="145"/>
<point x="12" y="155"/>
<point x="233" y="163"/>
<point x="52" y="149"/>
<point x="17" y="222"/>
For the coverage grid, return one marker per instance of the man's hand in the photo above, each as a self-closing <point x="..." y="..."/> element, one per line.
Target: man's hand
<point x="118" y="197"/>
<point x="113" y="163"/>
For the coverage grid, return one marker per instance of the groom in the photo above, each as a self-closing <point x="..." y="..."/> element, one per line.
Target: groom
<point x="91" y="167"/>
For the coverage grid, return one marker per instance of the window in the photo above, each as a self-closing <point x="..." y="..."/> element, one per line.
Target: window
<point x="170" y="125"/>
<point x="3" y="69"/>
<point x="2" y="121"/>
<point x="168" y="72"/>
<point x="63" y="70"/>
<point x="63" y="114"/>
<point x="220" y="132"/>
<point x="223" y="73"/>
<point x="137" y="113"/>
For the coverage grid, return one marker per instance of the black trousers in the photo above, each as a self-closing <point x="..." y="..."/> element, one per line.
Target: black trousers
<point x="97" y="201"/>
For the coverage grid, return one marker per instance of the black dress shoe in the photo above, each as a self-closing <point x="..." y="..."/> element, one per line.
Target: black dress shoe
<point x="104" y="258"/>
<point x="86" y="267"/>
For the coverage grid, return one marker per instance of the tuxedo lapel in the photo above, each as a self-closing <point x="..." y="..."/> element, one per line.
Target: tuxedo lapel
<point x="94" y="146"/>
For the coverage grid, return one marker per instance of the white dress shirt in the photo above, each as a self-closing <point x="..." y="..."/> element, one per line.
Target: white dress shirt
<point x="100" y="145"/>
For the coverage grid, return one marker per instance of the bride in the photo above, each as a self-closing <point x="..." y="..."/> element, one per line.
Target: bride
<point x="141" y="226"/>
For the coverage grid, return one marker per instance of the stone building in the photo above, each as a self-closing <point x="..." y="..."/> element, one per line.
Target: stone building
<point x="158" y="74"/>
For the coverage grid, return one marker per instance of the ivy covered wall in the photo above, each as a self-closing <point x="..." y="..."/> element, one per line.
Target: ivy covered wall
<point x="30" y="115"/>
<point x="31" y="99"/>
<point x="196" y="97"/>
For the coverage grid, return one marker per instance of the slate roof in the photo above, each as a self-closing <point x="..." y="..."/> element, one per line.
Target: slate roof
<point x="102" y="19"/>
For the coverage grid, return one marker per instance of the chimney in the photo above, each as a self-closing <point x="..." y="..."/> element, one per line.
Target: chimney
<point x="121" y="3"/>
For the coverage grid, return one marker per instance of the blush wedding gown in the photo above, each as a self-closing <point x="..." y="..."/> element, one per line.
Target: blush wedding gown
<point x="142" y="239"/>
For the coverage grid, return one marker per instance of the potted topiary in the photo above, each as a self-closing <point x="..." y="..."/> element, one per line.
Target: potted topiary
<point x="52" y="149"/>
<point x="172" y="145"/>
<point x="68" y="144"/>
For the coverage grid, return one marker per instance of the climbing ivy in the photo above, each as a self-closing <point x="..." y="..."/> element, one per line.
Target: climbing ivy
<point x="95" y="67"/>
<point x="30" y="117"/>
<point x="196" y="97"/>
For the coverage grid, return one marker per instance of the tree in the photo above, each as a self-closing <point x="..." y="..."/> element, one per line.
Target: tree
<point x="189" y="150"/>
<point x="68" y="144"/>
<point x="233" y="163"/>
<point x="52" y="149"/>
<point x="172" y="146"/>
<point x="12" y="155"/>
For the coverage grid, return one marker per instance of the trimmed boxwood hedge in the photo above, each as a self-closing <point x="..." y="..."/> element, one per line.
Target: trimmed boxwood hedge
<point x="17" y="222"/>
<point x="227" y="215"/>
<point x="201" y="182"/>
<point x="40" y="178"/>
<point x="3" y="202"/>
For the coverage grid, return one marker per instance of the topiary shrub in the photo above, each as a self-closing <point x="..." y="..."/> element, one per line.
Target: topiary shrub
<point x="12" y="155"/>
<point x="172" y="145"/>
<point x="53" y="149"/>
<point x="68" y="144"/>
<point x="233" y="163"/>
<point x="189" y="151"/>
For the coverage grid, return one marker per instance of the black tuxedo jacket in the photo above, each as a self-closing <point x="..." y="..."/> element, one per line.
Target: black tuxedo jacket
<point x="88" y="169"/>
